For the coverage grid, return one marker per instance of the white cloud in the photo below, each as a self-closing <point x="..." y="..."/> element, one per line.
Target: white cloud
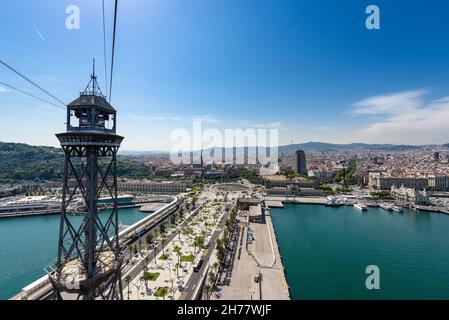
<point x="205" y="119"/>
<point x="406" y="118"/>
<point x="3" y="89"/>
<point x="272" y="125"/>
<point x="390" y="104"/>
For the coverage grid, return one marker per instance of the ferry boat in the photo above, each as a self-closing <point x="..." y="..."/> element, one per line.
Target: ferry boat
<point x="361" y="206"/>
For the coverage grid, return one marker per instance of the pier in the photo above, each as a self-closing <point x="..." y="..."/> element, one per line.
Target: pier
<point x="256" y="269"/>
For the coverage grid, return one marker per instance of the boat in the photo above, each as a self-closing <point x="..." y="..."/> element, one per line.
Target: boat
<point x="361" y="206"/>
<point x="386" y="206"/>
<point x="334" y="204"/>
<point x="397" y="209"/>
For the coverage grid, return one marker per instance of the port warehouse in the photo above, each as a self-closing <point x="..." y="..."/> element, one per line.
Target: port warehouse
<point x="144" y="186"/>
<point x="127" y="237"/>
<point x="153" y="187"/>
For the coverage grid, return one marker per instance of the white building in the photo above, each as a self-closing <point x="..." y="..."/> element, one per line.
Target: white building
<point x="410" y="195"/>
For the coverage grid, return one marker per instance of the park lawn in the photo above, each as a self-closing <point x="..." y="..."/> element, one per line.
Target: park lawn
<point x="164" y="257"/>
<point x="161" y="292"/>
<point x="153" y="276"/>
<point x="188" y="259"/>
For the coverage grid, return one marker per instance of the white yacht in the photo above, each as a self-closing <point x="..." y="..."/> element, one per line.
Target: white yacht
<point x="361" y="206"/>
<point x="397" y="209"/>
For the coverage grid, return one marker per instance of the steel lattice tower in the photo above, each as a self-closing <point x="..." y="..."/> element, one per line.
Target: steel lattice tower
<point x="89" y="260"/>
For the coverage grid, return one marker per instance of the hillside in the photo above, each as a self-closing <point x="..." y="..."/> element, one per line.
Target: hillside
<point x="24" y="162"/>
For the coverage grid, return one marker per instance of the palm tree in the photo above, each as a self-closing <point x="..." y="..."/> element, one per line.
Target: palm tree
<point x="149" y="239"/>
<point x="162" y="228"/>
<point x="146" y="277"/>
<point x="208" y="290"/>
<point x="198" y="242"/>
<point x="164" y="243"/>
<point x="172" y="288"/>
<point x="147" y="262"/>
<point x="212" y="279"/>
<point x="178" y="251"/>
<point x="164" y="292"/>
<point x="215" y="267"/>
<point x="138" y="285"/>
<point x="128" y="281"/>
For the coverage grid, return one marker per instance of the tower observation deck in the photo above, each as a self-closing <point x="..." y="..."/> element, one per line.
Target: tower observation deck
<point x="89" y="259"/>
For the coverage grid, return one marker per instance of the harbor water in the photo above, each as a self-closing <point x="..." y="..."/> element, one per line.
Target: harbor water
<point x="29" y="244"/>
<point x="326" y="251"/>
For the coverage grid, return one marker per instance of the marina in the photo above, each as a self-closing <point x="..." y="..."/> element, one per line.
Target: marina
<point x="325" y="251"/>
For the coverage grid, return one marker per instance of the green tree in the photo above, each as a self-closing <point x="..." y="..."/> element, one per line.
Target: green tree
<point x="128" y="281"/>
<point x="178" y="251"/>
<point x="149" y="239"/>
<point x="147" y="277"/>
<point x="199" y="242"/>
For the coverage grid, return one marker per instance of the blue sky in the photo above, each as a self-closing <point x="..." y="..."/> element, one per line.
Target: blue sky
<point x="307" y="67"/>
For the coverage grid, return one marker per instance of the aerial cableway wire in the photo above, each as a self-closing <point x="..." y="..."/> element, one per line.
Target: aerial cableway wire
<point x="113" y="49"/>
<point x="31" y="95"/>
<point x="30" y="81"/>
<point x="105" y="51"/>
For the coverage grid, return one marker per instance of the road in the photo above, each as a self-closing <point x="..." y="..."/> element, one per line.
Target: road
<point x="196" y="277"/>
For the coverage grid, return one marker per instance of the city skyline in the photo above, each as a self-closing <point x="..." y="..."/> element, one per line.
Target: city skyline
<point x="314" y="73"/>
<point x="225" y="150"/>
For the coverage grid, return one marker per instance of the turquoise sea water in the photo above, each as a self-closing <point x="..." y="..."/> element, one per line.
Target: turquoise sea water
<point x="326" y="251"/>
<point x="29" y="244"/>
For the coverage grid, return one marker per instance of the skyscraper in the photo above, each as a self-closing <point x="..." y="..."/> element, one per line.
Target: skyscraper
<point x="301" y="166"/>
<point x="436" y="156"/>
<point x="246" y="156"/>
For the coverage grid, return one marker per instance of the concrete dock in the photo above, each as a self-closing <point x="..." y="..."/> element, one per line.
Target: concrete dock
<point x="296" y="200"/>
<point x="258" y="273"/>
<point x="274" y="204"/>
